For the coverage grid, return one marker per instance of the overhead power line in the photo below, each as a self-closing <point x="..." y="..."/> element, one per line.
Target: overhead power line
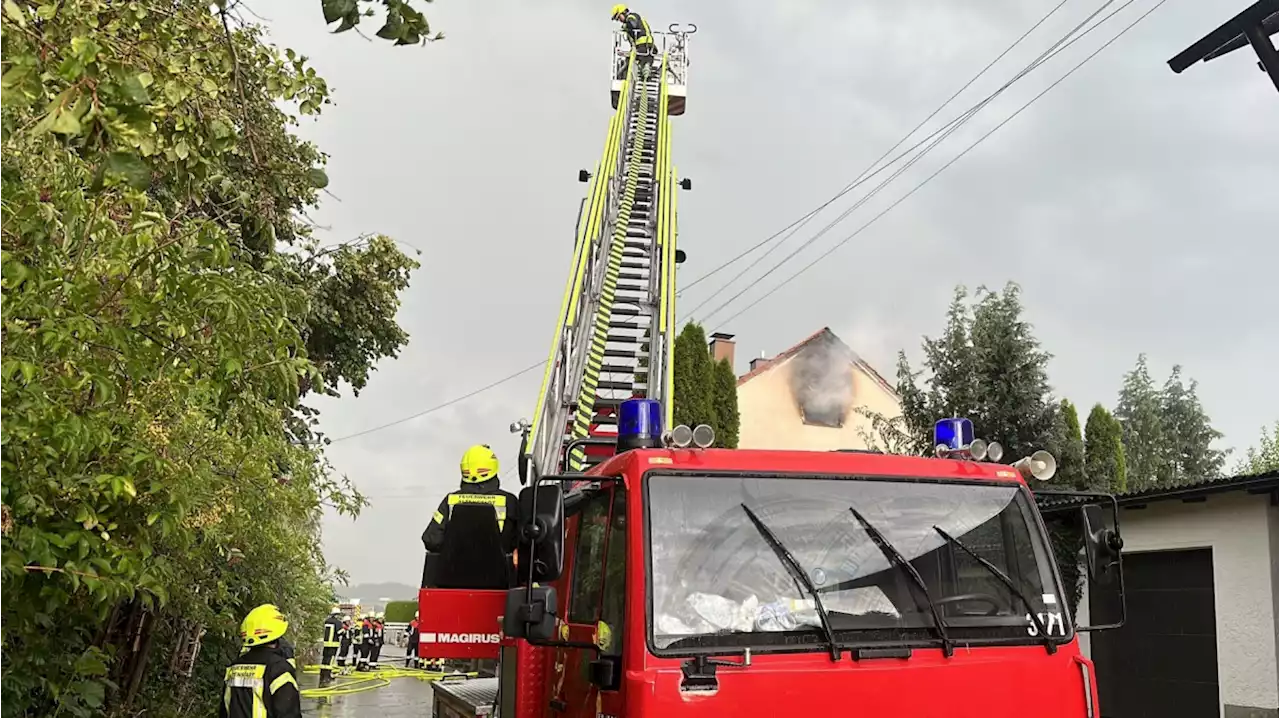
<point x="445" y="405"/>
<point x="940" y="170"/>
<point x="861" y="179"/>
<point x="947" y="130"/>
<point x="866" y="174"/>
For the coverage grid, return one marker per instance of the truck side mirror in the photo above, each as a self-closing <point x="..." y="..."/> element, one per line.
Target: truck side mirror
<point x="542" y="541"/>
<point x="1102" y="546"/>
<point x="530" y="614"/>
<point x="1103" y="567"/>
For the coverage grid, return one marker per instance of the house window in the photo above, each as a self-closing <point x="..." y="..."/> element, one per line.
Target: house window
<point x="828" y="416"/>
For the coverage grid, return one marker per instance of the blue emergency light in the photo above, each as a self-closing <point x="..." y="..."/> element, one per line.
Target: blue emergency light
<point x="953" y="433"/>
<point x="639" y="424"/>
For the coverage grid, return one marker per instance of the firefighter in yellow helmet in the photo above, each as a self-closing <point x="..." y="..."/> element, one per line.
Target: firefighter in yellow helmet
<point x="261" y="683"/>
<point x="479" y="486"/>
<point x="637" y="30"/>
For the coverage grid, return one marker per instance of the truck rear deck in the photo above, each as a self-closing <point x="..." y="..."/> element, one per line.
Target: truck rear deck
<point x="465" y="699"/>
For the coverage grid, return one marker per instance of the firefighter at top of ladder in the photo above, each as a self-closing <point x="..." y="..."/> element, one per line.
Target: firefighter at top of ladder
<point x="637" y="30"/>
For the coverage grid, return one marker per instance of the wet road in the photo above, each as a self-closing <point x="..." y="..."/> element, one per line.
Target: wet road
<point x="404" y="698"/>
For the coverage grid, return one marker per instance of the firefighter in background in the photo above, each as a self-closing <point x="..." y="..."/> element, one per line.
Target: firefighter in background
<point x="260" y="683"/>
<point x="366" y="642"/>
<point x="344" y="643"/>
<point x="638" y="33"/>
<point x="411" y="659"/>
<point x="379" y="638"/>
<point x="328" y="657"/>
<point x="480" y="485"/>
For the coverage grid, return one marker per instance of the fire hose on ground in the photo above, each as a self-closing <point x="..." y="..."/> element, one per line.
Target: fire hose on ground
<point x="372" y="680"/>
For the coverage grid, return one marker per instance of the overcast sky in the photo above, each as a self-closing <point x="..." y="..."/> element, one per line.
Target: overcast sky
<point x="1136" y="207"/>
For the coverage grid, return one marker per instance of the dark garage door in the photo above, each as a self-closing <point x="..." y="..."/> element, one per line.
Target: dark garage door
<point x="1164" y="662"/>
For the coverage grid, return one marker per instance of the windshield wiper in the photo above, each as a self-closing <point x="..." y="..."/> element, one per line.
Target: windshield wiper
<point x="797" y="572"/>
<point x="1049" y="645"/>
<point x="896" y="558"/>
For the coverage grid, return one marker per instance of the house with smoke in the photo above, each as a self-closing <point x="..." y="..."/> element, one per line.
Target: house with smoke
<point x="808" y="396"/>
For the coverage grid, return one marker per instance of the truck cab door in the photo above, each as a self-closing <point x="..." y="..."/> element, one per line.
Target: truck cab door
<point x="594" y="610"/>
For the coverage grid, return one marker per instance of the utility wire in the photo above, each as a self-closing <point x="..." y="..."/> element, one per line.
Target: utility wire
<point x="445" y="405"/>
<point x="953" y="124"/>
<point x="949" y="128"/>
<point x="939" y="171"/>
<point x="862" y="177"/>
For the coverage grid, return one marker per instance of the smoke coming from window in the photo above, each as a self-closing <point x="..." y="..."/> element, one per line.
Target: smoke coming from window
<point x="822" y="383"/>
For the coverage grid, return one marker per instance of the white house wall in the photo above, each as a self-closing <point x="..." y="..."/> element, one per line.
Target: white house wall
<point x="770" y="418"/>
<point x="1240" y="528"/>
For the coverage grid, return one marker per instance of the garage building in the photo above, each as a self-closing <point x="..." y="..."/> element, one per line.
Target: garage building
<point x="1200" y="640"/>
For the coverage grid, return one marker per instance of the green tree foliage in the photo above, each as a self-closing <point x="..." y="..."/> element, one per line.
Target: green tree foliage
<point x="1104" y="460"/>
<point x="403" y="25"/>
<point x="1068" y="448"/>
<point x="706" y="392"/>
<point x="1142" y="426"/>
<point x="1188" y="454"/>
<point x="726" y="404"/>
<point x="886" y="434"/>
<point x="156" y="345"/>
<point x="1167" y="434"/>
<point x="987" y="366"/>
<point x="401" y="611"/>
<point x="1265" y="456"/>
<point x="354" y="290"/>
<point x="694" y="384"/>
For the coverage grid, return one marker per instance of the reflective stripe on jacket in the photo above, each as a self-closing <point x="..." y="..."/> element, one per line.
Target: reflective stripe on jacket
<point x="497" y="501"/>
<point x="260" y="684"/>
<point x="332" y="629"/>
<point x="637" y="29"/>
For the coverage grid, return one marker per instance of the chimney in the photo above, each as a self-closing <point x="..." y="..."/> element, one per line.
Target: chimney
<point x="759" y="362"/>
<point x="722" y="347"/>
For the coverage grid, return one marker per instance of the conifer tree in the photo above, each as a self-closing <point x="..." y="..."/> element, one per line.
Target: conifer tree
<point x="1104" y="458"/>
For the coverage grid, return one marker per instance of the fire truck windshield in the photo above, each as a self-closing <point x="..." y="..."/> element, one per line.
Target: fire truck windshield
<point x="717" y="583"/>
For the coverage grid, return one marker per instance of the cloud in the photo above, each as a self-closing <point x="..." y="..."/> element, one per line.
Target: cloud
<point x="1137" y="207"/>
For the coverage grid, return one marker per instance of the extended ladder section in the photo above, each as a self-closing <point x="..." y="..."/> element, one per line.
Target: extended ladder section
<point x="617" y="320"/>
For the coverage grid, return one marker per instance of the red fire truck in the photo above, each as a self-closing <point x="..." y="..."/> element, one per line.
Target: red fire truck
<point x="673" y="580"/>
<point x="658" y="578"/>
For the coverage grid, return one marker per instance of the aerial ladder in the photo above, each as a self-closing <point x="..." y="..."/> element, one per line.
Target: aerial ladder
<point x="613" y="343"/>
<point x="616" y="324"/>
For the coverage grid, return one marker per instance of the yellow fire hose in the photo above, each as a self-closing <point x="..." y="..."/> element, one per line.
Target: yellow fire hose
<point x="372" y="680"/>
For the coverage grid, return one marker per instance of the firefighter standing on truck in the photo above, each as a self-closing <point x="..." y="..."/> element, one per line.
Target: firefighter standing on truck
<point x="329" y="656"/>
<point x="637" y="30"/>
<point x="480" y="485"/>
<point x="260" y="683"/>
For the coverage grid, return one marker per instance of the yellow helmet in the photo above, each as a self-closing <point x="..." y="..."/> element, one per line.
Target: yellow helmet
<point x="264" y="624"/>
<point x="618" y="11"/>
<point x="479" y="464"/>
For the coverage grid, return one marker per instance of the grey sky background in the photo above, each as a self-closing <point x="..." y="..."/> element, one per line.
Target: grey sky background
<point x="1136" y="207"/>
